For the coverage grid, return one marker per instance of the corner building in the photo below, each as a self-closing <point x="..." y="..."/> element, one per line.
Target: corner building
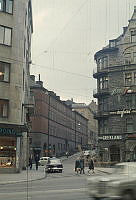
<point x="116" y="94"/>
<point x="15" y="56"/>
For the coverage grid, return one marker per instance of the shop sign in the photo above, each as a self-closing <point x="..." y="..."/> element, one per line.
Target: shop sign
<point x="120" y="112"/>
<point x="110" y="137"/>
<point x="7" y="131"/>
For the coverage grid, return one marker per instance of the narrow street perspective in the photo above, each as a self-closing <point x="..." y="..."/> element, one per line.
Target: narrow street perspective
<point x="67" y="99"/>
<point x="65" y="186"/>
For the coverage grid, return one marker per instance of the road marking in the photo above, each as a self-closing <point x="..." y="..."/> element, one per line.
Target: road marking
<point x="45" y="192"/>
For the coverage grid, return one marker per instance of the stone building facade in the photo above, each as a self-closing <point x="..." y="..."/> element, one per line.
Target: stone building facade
<point x="15" y="53"/>
<point x="116" y="94"/>
<point x="55" y="127"/>
<point x="88" y="112"/>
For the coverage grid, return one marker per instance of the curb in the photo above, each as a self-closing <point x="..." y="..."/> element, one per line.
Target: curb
<point x="22" y="181"/>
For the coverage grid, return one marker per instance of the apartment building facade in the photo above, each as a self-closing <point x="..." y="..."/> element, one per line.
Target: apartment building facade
<point x="88" y="112"/>
<point x="55" y="128"/>
<point x="16" y="28"/>
<point x="116" y="94"/>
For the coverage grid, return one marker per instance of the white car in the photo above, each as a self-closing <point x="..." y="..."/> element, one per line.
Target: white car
<point x="43" y="161"/>
<point x="121" y="184"/>
<point x="87" y="153"/>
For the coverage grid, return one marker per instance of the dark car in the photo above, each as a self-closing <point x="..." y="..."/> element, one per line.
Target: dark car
<point x="54" y="165"/>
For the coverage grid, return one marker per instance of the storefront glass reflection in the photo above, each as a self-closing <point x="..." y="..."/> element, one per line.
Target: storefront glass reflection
<point x="7" y="152"/>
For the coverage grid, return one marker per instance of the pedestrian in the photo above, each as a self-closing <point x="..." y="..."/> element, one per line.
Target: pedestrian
<point x="82" y="166"/>
<point x="30" y="162"/>
<point x="77" y="166"/>
<point x="36" y="161"/>
<point x="67" y="154"/>
<point x="91" y="166"/>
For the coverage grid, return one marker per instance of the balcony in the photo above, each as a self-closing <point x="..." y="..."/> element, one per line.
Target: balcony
<point x="100" y="92"/>
<point x="101" y="114"/>
<point x="97" y="72"/>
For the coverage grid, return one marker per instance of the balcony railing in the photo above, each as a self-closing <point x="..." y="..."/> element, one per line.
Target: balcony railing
<point x="99" y="114"/>
<point x="97" y="71"/>
<point x="100" y="92"/>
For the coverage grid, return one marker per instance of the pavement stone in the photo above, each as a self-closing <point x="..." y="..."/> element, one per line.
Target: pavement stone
<point x="30" y="175"/>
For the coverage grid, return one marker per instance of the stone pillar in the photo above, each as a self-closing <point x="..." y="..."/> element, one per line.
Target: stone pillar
<point x="18" y="151"/>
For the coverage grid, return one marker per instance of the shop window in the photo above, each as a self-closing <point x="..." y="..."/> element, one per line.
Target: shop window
<point x="4" y="104"/>
<point x="5" y="35"/>
<point x="7" y="152"/>
<point x="6" y="6"/>
<point x="133" y="36"/>
<point x="4" y="72"/>
<point x="128" y="79"/>
<point x="129" y="125"/>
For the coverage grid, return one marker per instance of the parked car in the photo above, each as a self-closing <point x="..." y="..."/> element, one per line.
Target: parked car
<point x="54" y="165"/>
<point x="43" y="161"/>
<point x="121" y="184"/>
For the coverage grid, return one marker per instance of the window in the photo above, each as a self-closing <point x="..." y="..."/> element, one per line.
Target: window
<point x="4" y="72"/>
<point x="101" y="83"/>
<point x="129" y="101"/>
<point x="6" y="6"/>
<point x="128" y="79"/>
<point x="4" y="108"/>
<point x="105" y="62"/>
<point x="5" y="35"/>
<point x="112" y="43"/>
<point x="127" y="58"/>
<point x="129" y="125"/>
<point x="105" y="82"/>
<point x="133" y="36"/>
<point x="135" y="78"/>
<point x="134" y="57"/>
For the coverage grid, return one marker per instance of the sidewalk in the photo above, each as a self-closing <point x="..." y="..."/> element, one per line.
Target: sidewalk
<point x="23" y="176"/>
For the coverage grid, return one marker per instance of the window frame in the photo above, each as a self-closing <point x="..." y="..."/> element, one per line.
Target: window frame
<point x="129" y="123"/>
<point x="127" y="78"/>
<point x="133" y="36"/>
<point x="9" y="66"/>
<point x="5" y="7"/>
<point x="5" y="117"/>
<point x="5" y="27"/>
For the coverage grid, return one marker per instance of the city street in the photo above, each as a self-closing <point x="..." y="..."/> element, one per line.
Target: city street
<point x="65" y="186"/>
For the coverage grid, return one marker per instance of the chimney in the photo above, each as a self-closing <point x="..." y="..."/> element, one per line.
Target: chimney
<point x="32" y="77"/>
<point x="40" y="83"/>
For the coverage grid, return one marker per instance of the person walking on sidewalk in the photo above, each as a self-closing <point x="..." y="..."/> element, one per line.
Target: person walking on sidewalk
<point x="30" y="162"/>
<point x="91" y="166"/>
<point x="82" y="165"/>
<point x="77" y="166"/>
<point x="36" y="161"/>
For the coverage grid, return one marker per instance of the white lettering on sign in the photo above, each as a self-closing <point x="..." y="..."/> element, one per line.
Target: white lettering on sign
<point x="110" y="137"/>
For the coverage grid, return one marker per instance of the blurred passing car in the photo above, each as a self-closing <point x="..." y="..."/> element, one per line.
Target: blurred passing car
<point x="121" y="184"/>
<point x="54" y="165"/>
<point x="43" y="161"/>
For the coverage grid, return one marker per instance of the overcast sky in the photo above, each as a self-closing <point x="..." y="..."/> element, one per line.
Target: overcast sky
<point x="67" y="33"/>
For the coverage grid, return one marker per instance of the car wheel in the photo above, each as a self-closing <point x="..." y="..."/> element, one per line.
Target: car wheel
<point x="128" y="195"/>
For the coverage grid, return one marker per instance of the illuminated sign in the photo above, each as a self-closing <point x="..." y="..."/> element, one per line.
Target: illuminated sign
<point x="9" y="132"/>
<point x="111" y="137"/>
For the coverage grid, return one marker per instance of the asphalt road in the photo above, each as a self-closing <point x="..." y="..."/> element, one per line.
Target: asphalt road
<point x="65" y="186"/>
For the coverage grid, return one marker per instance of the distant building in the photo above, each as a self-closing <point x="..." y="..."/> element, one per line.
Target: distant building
<point x="55" y="127"/>
<point x="116" y="94"/>
<point x="88" y="112"/>
<point x="16" y="27"/>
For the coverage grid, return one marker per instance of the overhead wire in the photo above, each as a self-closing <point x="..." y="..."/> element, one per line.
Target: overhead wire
<point x="64" y="27"/>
